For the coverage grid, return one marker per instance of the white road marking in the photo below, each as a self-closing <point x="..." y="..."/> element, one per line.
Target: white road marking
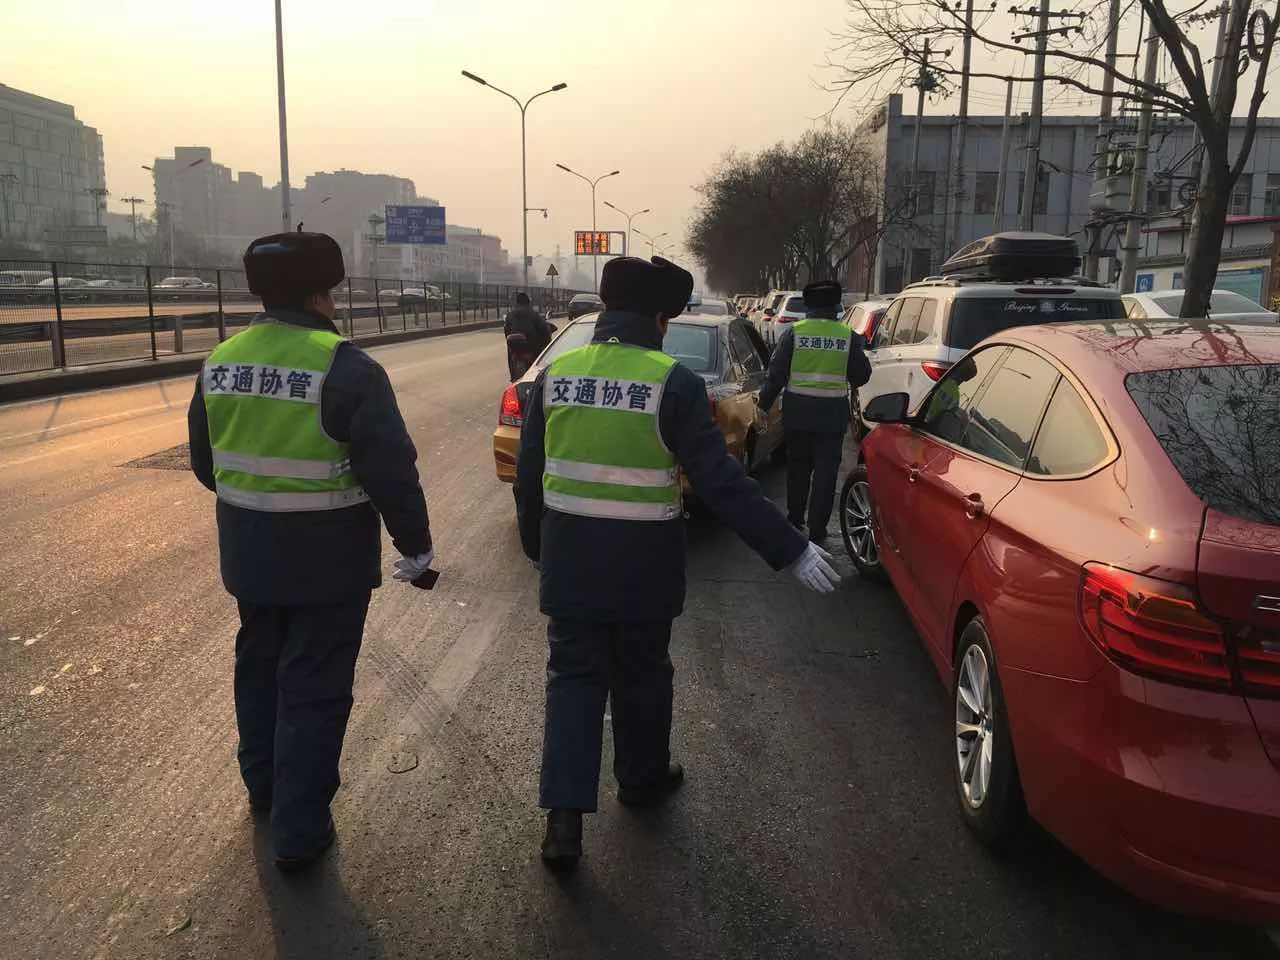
<point x="36" y="691"/>
<point x="118" y="415"/>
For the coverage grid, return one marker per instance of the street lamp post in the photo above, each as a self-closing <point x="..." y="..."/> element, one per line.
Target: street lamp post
<point x="169" y="207"/>
<point x="595" y="258"/>
<point x="524" y="167"/>
<point x="652" y="240"/>
<point x="630" y="217"/>
<point x="285" y="218"/>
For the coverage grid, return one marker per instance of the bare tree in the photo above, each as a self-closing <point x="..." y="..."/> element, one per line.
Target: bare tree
<point x="883" y="43"/>
<point x="792" y="211"/>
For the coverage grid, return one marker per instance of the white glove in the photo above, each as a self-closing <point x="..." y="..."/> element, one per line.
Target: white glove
<point x="409" y="569"/>
<point x="814" y="571"/>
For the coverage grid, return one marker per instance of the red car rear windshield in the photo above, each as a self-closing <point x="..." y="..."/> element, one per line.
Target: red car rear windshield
<point x="976" y="318"/>
<point x="1221" y="428"/>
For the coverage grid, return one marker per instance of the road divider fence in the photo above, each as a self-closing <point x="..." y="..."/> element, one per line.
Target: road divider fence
<point x="57" y="314"/>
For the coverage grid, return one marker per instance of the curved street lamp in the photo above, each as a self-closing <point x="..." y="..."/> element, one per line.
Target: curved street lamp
<point x="169" y="214"/>
<point x="595" y="259"/>
<point x="524" y="177"/>
<point x="630" y="217"/>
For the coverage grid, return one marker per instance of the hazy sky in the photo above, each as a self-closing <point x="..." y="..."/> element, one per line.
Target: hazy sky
<point x="658" y="89"/>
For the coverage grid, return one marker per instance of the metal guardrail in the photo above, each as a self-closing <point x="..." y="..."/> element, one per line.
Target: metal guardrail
<point x="59" y="314"/>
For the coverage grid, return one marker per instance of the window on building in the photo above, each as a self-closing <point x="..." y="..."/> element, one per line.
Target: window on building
<point x="1272" y="200"/>
<point x="920" y="261"/>
<point x="984" y="191"/>
<point x="924" y="191"/>
<point x="1041" y="204"/>
<point x="1241" y="194"/>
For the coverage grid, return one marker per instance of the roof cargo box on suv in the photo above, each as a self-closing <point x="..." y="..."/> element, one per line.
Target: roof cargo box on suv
<point x="1017" y="256"/>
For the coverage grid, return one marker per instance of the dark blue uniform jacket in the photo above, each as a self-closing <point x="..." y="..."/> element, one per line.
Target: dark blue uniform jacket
<point x="812" y="414"/>
<point x="325" y="556"/>
<point x="621" y="570"/>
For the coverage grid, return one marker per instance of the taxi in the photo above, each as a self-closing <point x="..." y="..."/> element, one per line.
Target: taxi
<point x="724" y="350"/>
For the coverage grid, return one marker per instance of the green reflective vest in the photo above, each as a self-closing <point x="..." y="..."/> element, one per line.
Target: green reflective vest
<point x="270" y="451"/>
<point x="820" y="361"/>
<point x="605" y="452"/>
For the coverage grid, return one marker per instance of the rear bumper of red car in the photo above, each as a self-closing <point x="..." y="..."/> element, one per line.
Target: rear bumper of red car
<point x="1164" y="789"/>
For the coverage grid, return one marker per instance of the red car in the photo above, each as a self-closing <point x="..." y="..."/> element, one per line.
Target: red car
<point x="1083" y="521"/>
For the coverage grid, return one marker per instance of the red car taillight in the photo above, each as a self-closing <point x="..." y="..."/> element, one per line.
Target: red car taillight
<point x="934" y="369"/>
<point x="1153" y="627"/>
<point x="510" y="414"/>
<point x="1259" y="660"/>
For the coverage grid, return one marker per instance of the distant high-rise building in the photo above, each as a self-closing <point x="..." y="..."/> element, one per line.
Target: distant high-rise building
<point x="51" y="170"/>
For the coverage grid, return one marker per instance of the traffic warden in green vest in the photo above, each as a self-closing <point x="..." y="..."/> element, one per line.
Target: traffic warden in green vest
<point x="816" y="361"/>
<point x="299" y="434"/>
<point x="598" y="498"/>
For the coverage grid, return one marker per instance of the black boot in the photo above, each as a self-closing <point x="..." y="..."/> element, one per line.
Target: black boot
<point x="653" y="792"/>
<point x="308" y="860"/>
<point x="562" y="846"/>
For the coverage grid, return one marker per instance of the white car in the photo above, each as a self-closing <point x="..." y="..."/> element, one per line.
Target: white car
<point x="933" y="323"/>
<point x="1225" y="306"/>
<point x="183" y="283"/>
<point x="785" y="309"/>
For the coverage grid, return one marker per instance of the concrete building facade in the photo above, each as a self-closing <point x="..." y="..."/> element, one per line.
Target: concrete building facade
<point x="50" y="164"/>
<point x="1064" y="185"/>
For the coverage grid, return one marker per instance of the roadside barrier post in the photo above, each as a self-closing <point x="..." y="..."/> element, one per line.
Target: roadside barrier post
<point x="151" y="314"/>
<point x="58" y="340"/>
<point x="222" y="320"/>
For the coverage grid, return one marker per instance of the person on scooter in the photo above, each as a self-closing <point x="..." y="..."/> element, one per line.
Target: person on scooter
<point x="527" y="333"/>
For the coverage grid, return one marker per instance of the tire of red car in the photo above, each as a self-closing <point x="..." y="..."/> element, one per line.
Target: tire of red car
<point x="856" y="529"/>
<point x="999" y="816"/>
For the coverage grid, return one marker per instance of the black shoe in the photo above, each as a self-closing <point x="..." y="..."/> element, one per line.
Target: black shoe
<point x="653" y="792"/>
<point x="562" y="846"/>
<point x="307" y="861"/>
<point x="819" y="538"/>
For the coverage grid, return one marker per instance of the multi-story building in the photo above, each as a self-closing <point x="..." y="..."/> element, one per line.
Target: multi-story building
<point x="469" y="256"/>
<point x="1066" y="178"/>
<point x="52" y="182"/>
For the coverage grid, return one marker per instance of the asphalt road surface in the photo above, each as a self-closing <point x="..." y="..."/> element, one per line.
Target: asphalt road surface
<point x="817" y="820"/>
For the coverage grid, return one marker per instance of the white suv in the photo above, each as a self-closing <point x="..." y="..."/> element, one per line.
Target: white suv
<point x="933" y="323"/>
<point x="788" y="307"/>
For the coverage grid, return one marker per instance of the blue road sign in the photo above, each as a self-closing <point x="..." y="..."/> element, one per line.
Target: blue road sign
<point x="1145" y="282"/>
<point x="406" y="224"/>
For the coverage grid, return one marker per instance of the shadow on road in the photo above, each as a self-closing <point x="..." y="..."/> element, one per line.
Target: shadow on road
<point x="312" y="914"/>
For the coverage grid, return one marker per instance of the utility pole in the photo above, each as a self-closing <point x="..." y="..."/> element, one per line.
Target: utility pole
<point x="133" y="213"/>
<point x="924" y="83"/>
<point x="1032" y="177"/>
<point x="1138" y="191"/>
<point x="1002" y="176"/>
<point x="1102" y="144"/>
<point x="1042" y="33"/>
<point x="952" y="223"/>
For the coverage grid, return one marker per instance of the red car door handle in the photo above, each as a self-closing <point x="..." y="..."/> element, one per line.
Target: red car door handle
<point x="973" y="506"/>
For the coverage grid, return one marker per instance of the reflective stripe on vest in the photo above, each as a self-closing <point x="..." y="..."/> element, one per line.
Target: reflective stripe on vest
<point x="605" y="453"/>
<point x="262" y="392"/>
<point x="281" y="466"/>
<point x="291" y="502"/>
<point x="820" y="359"/>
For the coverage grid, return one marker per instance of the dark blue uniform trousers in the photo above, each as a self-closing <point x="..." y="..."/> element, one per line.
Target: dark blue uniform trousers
<point x="294" y="670"/>
<point x="591" y="661"/>
<point x="813" y="460"/>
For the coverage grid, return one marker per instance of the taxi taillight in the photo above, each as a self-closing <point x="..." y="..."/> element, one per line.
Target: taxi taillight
<point x="510" y="414"/>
